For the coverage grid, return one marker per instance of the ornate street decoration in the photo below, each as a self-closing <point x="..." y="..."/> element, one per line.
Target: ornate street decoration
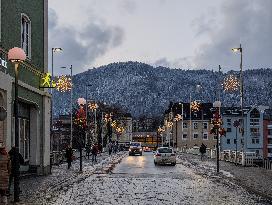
<point x="169" y="124"/>
<point x="178" y="117"/>
<point x="231" y="83"/>
<point x="92" y="106"/>
<point x="64" y="84"/>
<point x="80" y="118"/>
<point x="195" y="106"/>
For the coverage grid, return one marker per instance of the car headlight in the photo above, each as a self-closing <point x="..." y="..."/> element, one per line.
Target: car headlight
<point x="129" y="150"/>
<point x="140" y="149"/>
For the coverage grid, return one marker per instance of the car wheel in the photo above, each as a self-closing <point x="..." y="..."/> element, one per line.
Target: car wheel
<point x="174" y="164"/>
<point x="141" y="154"/>
<point x="129" y="154"/>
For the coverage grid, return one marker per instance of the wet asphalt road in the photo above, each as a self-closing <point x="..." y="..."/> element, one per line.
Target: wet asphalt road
<point x="136" y="180"/>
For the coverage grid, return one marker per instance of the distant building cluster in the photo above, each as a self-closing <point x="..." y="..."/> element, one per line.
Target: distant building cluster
<point x="194" y="128"/>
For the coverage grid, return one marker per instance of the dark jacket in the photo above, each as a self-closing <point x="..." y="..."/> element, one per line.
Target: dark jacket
<point x="69" y="154"/>
<point x="202" y="149"/>
<point x="94" y="150"/>
<point x="12" y="159"/>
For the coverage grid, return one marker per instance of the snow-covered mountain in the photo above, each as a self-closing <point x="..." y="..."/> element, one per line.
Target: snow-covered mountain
<point x="145" y="90"/>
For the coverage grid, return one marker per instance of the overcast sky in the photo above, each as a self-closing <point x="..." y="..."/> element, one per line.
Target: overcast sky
<point x="185" y="34"/>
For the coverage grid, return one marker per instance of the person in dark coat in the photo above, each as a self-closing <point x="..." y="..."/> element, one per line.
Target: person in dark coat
<point x="13" y="165"/>
<point x="69" y="155"/>
<point x="94" y="152"/>
<point x="110" y="148"/>
<point x="88" y="151"/>
<point x="202" y="150"/>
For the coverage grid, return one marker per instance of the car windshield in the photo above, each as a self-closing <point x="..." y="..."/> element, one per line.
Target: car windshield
<point x="135" y="144"/>
<point x="165" y="150"/>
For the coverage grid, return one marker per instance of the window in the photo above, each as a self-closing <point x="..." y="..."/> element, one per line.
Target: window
<point x="184" y="136"/>
<point x="234" y="141"/>
<point x="229" y="122"/>
<point x="257" y="141"/>
<point x="228" y="129"/>
<point x="269" y="141"/>
<point x="195" y="135"/>
<point x="253" y="141"/>
<point x="205" y="136"/>
<point x="26" y="35"/>
<point x="214" y="137"/>
<point x="254" y="131"/>
<point x="205" y="125"/>
<point x="185" y="125"/>
<point x="254" y="122"/>
<point x="269" y="132"/>
<point x="195" y="125"/>
<point x="228" y="141"/>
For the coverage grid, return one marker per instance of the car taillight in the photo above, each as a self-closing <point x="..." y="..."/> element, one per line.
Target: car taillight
<point x="158" y="154"/>
<point x="173" y="154"/>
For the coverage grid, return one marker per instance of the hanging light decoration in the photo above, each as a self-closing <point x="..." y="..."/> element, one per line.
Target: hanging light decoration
<point x="231" y="83"/>
<point x="93" y="106"/>
<point x="178" y="117"/>
<point x="64" y="83"/>
<point x="195" y="106"/>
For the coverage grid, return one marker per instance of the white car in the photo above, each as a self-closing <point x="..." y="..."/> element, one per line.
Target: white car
<point x="165" y="155"/>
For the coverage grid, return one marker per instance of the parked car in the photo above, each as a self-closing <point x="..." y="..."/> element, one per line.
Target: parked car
<point x="165" y="155"/>
<point x="135" y="148"/>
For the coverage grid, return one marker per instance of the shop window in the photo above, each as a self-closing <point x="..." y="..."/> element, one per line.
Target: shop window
<point x="26" y="35"/>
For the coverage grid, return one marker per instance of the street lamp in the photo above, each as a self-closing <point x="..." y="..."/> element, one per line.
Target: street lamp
<point x="217" y="122"/>
<point x="16" y="56"/>
<point x="177" y="118"/>
<point x="71" y="105"/>
<point x="81" y="102"/>
<point x="241" y="99"/>
<point x="93" y="107"/>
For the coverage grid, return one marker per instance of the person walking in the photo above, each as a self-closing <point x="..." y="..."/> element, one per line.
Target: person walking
<point x="202" y="150"/>
<point x="94" y="152"/>
<point x="110" y="148"/>
<point x="13" y="165"/>
<point x="5" y="169"/>
<point x="69" y="156"/>
<point x="88" y="151"/>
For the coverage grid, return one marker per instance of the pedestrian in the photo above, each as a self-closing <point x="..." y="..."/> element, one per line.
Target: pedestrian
<point x="94" y="152"/>
<point x="88" y="151"/>
<point x="110" y="148"/>
<point x="5" y="169"/>
<point x="69" y="155"/>
<point x="202" y="150"/>
<point x="13" y="165"/>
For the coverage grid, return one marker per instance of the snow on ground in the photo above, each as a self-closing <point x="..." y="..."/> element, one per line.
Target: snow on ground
<point x="178" y="186"/>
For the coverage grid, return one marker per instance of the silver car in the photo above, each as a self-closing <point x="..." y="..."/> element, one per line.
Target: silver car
<point x="165" y="155"/>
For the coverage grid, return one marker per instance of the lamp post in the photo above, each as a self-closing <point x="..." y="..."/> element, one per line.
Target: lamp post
<point x="87" y="132"/>
<point x="177" y="118"/>
<point x="241" y="100"/>
<point x="81" y="102"/>
<point x="53" y="50"/>
<point x="216" y="125"/>
<point x="93" y="107"/>
<point x="16" y="56"/>
<point x="71" y="106"/>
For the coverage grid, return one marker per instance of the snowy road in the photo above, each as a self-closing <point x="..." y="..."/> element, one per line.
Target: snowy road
<point x="136" y="180"/>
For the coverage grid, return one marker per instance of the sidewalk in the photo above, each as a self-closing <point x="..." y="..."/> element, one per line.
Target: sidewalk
<point x="40" y="189"/>
<point x="254" y="179"/>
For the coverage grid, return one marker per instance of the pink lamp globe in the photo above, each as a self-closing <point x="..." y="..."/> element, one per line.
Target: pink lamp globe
<point x="16" y="55"/>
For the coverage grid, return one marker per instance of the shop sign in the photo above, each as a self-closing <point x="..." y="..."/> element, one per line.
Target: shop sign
<point x="47" y="82"/>
<point x="3" y="63"/>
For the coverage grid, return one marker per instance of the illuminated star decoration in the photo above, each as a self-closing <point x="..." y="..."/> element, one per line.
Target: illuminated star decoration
<point x="195" y="106"/>
<point x="231" y="83"/>
<point x="93" y="106"/>
<point x="64" y="84"/>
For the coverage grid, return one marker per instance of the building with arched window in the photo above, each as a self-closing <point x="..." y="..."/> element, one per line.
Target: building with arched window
<point x="25" y="24"/>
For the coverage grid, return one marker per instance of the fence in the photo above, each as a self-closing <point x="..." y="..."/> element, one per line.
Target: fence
<point x="267" y="164"/>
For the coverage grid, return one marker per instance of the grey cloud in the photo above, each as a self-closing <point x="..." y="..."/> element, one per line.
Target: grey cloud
<point x="81" y="48"/>
<point x="128" y="6"/>
<point x="248" y="21"/>
<point x="183" y="63"/>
